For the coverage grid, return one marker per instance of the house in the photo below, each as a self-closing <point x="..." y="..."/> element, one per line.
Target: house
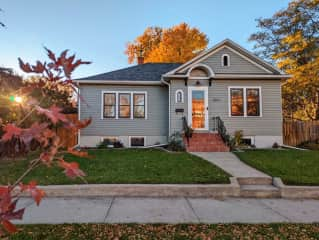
<point x="144" y="104"/>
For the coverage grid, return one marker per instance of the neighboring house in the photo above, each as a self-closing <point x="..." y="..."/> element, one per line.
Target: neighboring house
<point x="145" y="104"/>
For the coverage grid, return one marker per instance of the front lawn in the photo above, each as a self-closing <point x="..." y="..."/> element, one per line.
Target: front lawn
<point x="124" y="166"/>
<point x="167" y="231"/>
<point x="294" y="167"/>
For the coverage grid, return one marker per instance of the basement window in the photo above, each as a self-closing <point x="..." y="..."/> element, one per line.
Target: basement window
<point x="137" y="141"/>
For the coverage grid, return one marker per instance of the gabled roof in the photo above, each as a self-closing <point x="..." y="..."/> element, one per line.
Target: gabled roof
<point x="229" y="43"/>
<point x="143" y="72"/>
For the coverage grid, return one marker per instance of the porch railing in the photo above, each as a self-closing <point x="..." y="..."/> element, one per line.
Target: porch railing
<point x="219" y="126"/>
<point x="188" y="131"/>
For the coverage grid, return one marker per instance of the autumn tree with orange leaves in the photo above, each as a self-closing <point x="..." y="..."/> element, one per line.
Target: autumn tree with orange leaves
<point x="178" y="44"/>
<point x="27" y="130"/>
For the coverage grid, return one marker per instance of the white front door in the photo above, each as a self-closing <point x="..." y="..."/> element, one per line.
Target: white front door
<point x="198" y="107"/>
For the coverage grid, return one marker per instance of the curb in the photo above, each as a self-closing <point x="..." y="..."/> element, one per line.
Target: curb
<point x="174" y="190"/>
<point x="144" y="190"/>
<point x="296" y="192"/>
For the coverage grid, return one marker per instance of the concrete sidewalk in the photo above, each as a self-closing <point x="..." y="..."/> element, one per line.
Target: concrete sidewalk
<point x="231" y="164"/>
<point x="169" y="210"/>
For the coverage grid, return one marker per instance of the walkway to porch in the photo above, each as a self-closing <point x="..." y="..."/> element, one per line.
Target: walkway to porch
<point x="231" y="164"/>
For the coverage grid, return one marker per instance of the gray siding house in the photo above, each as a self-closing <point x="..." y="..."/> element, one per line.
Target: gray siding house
<point x="146" y="103"/>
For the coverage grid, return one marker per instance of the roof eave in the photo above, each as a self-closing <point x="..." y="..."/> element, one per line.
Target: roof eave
<point x="119" y="82"/>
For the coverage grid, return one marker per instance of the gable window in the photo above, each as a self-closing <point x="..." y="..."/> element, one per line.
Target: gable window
<point x="237" y="102"/>
<point x="245" y="101"/>
<point x="139" y="105"/>
<point x="109" y="110"/>
<point x="179" y="96"/>
<point x="225" y="60"/>
<point x="124" y="105"/>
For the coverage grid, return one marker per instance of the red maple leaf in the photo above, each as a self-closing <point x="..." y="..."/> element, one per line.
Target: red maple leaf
<point x="36" y="193"/>
<point x="71" y="169"/>
<point x="10" y="131"/>
<point x="53" y="113"/>
<point x="8" y="210"/>
<point x="78" y="153"/>
<point x="26" y="67"/>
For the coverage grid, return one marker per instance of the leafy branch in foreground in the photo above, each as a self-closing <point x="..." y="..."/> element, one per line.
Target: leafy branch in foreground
<point x="36" y="127"/>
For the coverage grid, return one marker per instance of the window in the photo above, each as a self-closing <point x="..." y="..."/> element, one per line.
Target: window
<point x="245" y="101"/>
<point x="237" y="102"/>
<point x="179" y="96"/>
<point x="137" y="141"/>
<point x="252" y="95"/>
<point x="124" y="105"/>
<point x="109" y="105"/>
<point x="225" y="60"/>
<point x="139" y="105"/>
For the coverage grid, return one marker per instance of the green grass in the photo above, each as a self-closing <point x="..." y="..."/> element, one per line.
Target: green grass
<point x="294" y="167"/>
<point x="167" y="231"/>
<point x="124" y="166"/>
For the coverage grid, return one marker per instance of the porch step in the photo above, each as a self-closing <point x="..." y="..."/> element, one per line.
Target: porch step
<point x="205" y="142"/>
<point x="259" y="191"/>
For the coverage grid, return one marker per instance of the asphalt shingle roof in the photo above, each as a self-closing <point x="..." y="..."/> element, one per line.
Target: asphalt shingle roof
<point x="142" y="72"/>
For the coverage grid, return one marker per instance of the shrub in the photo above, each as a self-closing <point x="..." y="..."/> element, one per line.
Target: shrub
<point x="238" y="138"/>
<point x="275" y="145"/>
<point x="176" y="142"/>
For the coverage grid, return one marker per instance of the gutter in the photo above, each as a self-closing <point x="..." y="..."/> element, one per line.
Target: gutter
<point x="239" y="76"/>
<point x="120" y="82"/>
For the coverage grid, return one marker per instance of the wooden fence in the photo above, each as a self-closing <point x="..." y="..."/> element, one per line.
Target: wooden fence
<point x="69" y="138"/>
<point x="297" y="132"/>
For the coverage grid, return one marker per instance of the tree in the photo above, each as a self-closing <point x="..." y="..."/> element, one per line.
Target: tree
<point x="179" y="43"/>
<point x="290" y="38"/>
<point x="58" y="72"/>
<point x="1" y="23"/>
<point x="9" y="83"/>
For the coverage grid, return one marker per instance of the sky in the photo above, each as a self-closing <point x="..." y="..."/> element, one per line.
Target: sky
<point x="98" y="30"/>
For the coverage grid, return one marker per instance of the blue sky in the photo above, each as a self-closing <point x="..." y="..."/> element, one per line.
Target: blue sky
<point x="98" y="30"/>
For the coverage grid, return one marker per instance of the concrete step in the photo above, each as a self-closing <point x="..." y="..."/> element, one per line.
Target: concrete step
<point x="259" y="191"/>
<point x="255" y="180"/>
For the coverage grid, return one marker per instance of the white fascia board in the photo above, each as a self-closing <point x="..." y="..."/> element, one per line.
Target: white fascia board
<point x="239" y="76"/>
<point x="122" y="82"/>
<point x="251" y="76"/>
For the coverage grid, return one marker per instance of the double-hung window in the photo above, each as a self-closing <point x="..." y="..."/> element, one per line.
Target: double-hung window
<point x="139" y="105"/>
<point x="109" y="110"/>
<point x="120" y="104"/>
<point x="245" y="101"/>
<point x="124" y="105"/>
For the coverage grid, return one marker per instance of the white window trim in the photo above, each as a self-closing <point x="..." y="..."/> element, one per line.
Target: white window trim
<point x="129" y="141"/>
<point x="222" y="60"/>
<point x="179" y="91"/>
<point x="245" y="101"/>
<point x="189" y="97"/>
<point x="117" y="104"/>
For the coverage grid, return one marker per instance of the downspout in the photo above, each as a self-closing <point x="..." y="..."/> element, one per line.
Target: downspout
<point x="169" y="105"/>
<point x="79" y="114"/>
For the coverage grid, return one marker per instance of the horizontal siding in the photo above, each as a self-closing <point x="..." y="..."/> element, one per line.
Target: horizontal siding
<point x="156" y="123"/>
<point x="238" y="64"/>
<point x="270" y="124"/>
<point x="176" y="118"/>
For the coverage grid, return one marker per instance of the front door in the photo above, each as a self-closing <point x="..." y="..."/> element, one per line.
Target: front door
<point x="198" y="108"/>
